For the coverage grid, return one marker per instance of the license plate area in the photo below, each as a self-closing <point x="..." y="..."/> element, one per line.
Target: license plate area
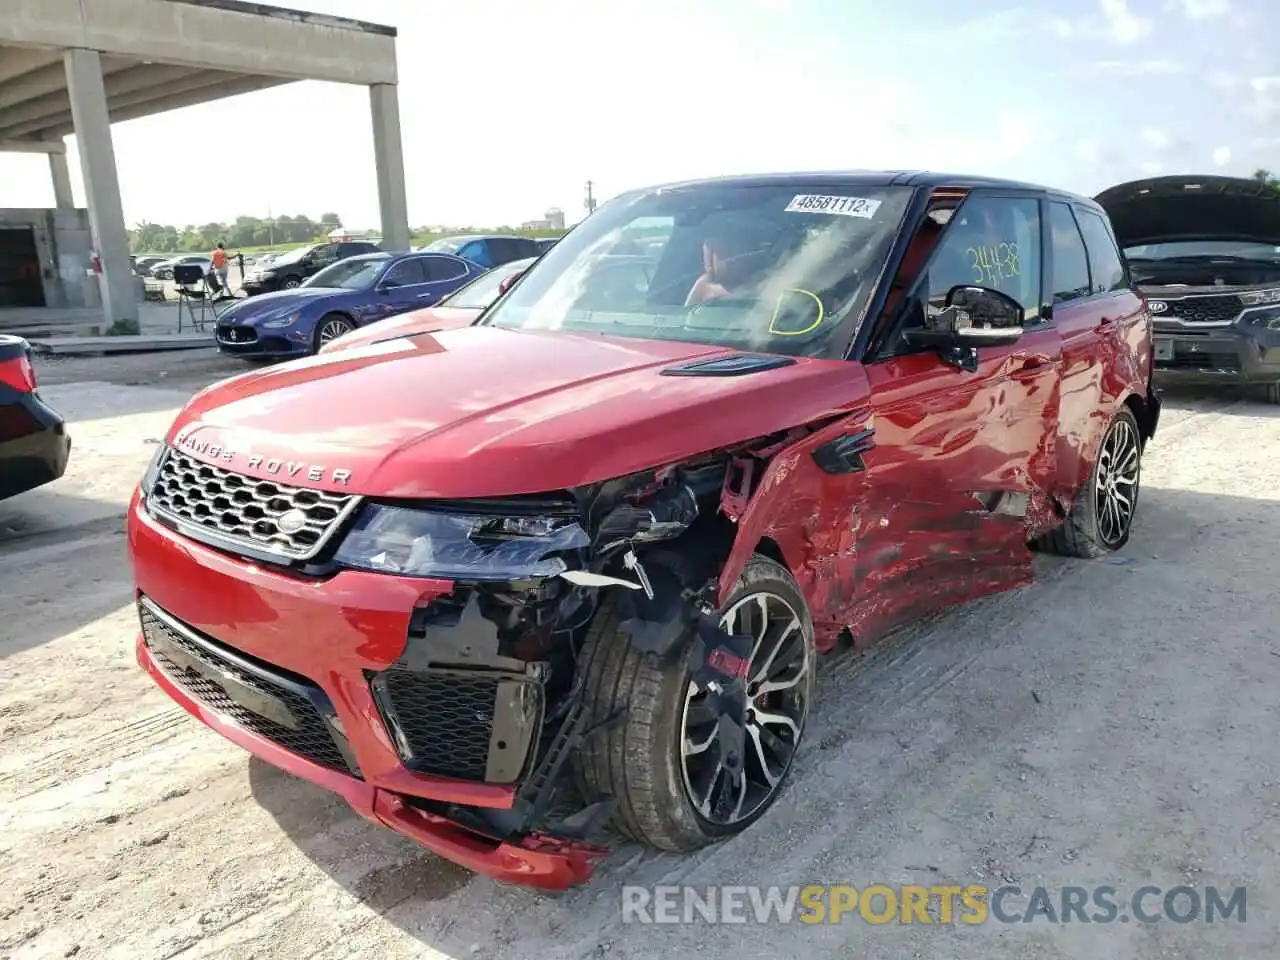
<point x="1164" y="348"/>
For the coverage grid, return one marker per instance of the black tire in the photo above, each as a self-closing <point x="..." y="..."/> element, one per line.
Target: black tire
<point x="1087" y="533"/>
<point x="289" y="283"/>
<point x="1270" y="393"/>
<point x="328" y="323"/>
<point x="640" y="759"/>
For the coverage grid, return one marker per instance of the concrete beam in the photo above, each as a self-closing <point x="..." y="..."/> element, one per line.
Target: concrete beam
<point x="141" y="84"/>
<point x="246" y="38"/>
<point x="51" y="147"/>
<point x="388" y="157"/>
<point x="18" y="61"/>
<point x="164" y="102"/>
<point x="60" y="174"/>
<point x="101" y="184"/>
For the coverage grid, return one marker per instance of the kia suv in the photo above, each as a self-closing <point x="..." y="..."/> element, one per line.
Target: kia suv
<point x="1206" y="253"/>
<point x="564" y="574"/>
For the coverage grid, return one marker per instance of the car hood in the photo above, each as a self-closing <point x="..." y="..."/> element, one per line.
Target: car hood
<point x="484" y="412"/>
<point x="1168" y="209"/>
<point x="429" y="320"/>
<point x="279" y="303"/>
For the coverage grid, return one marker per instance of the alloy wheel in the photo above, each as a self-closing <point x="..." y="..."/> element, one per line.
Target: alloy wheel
<point x="333" y="329"/>
<point x="1116" y="487"/>
<point x="777" y="707"/>
<point x="291" y="283"/>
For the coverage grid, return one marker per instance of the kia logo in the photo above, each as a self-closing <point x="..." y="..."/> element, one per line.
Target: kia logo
<point x="1158" y="307"/>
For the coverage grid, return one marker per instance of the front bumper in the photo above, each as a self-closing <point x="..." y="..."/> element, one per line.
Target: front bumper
<point x="259" y="636"/>
<point x="250" y="343"/>
<point x="34" y="443"/>
<point x="1242" y="353"/>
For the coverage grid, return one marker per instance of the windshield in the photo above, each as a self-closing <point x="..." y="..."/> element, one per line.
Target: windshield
<point x="1203" y="248"/>
<point x="355" y="273"/>
<point x="446" y="244"/>
<point x="779" y="268"/>
<point x="483" y="291"/>
<point x="293" y="256"/>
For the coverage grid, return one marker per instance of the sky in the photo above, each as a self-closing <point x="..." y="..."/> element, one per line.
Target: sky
<point x="508" y="108"/>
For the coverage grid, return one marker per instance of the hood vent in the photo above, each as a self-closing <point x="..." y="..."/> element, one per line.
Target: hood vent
<point x="734" y="365"/>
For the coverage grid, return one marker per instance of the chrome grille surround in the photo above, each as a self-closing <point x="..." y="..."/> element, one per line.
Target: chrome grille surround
<point x="234" y="510"/>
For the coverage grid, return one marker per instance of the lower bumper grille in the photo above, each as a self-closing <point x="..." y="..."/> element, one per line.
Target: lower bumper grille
<point x="284" y="708"/>
<point x="467" y="724"/>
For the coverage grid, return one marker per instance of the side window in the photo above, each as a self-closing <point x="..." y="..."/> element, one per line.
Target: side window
<point x="504" y="250"/>
<point x="990" y="242"/>
<point x="477" y="252"/>
<point x="1104" y="259"/>
<point x="443" y="268"/>
<point x="326" y="254"/>
<point x="405" y="273"/>
<point x="1070" y="259"/>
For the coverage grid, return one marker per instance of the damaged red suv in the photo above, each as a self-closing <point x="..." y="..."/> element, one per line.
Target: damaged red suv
<point x="562" y="575"/>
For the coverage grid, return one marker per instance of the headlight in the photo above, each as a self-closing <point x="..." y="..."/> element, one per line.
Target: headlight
<point x="1259" y="298"/>
<point x="153" y="469"/>
<point x="288" y="321"/>
<point x="453" y="546"/>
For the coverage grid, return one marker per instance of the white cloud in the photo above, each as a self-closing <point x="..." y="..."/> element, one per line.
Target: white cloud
<point x="1221" y="156"/>
<point x="1152" y="167"/>
<point x="1265" y="101"/>
<point x="1136" y="68"/>
<point x="1122" y="24"/>
<point x="1156" y="139"/>
<point x="1204" y="9"/>
<point x="1062" y="28"/>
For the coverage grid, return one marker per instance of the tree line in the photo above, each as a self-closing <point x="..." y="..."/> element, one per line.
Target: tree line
<point x="253" y="233"/>
<point x="1267" y="177"/>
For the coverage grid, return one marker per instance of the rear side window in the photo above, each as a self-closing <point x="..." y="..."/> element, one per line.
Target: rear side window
<point x="443" y="268"/>
<point x="1105" y="264"/>
<point x="405" y="273"/>
<point x="1070" y="259"/>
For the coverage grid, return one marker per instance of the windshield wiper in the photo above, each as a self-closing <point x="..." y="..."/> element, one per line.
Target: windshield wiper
<point x="1207" y="258"/>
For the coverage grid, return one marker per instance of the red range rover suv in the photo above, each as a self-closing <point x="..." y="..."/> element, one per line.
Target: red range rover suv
<point x="562" y="575"/>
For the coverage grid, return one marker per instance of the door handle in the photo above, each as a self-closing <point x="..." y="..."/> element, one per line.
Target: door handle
<point x="1031" y="368"/>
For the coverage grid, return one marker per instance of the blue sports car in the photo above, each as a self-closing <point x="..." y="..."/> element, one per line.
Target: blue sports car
<point x="337" y="300"/>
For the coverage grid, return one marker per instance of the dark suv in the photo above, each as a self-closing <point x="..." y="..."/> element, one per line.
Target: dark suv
<point x="290" y="269"/>
<point x="1206" y="252"/>
<point x="571" y="566"/>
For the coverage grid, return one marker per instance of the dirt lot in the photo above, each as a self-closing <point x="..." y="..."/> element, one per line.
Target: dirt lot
<point x="1113" y="724"/>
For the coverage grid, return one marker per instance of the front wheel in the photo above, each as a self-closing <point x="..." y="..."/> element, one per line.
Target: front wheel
<point x="290" y="283"/>
<point x="1101" y="518"/>
<point x="662" y="760"/>
<point x="330" y="328"/>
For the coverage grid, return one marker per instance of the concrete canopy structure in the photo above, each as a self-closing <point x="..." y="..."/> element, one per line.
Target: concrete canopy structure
<point x="69" y="66"/>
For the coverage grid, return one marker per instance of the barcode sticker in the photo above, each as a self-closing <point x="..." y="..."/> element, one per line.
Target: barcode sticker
<point x="839" y="206"/>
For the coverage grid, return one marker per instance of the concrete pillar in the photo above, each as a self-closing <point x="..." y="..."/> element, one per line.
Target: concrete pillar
<point x="60" y="171"/>
<point x="101" y="185"/>
<point x="388" y="155"/>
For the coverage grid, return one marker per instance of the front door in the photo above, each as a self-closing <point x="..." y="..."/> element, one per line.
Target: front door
<point x="964" y="459"/>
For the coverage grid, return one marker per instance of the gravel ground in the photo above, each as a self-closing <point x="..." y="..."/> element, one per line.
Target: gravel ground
<point x="1107" y="725"/>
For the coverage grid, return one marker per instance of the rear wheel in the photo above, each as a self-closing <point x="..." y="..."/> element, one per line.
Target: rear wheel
<point x="1101" y="518"/>
<point x="331" y="327"/>
<point x="290" y="283"/>
<point x="1270" y="393"/>
<point x="662" y="761"/>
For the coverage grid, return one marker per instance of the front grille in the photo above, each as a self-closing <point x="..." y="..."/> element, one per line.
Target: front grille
<point x="444" y="721"/>
<point x="291" y="522"/>
<point x="1211" y="308"/>
<point x="230" y="334"/>
<point x="244" y="690"/>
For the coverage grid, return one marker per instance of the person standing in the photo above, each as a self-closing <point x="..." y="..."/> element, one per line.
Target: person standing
<point x="219" y="266"/>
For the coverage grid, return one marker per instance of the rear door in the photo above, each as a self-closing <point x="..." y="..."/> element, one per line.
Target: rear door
<point x="1101" y="322"/>
<point x="962" y="456"/>
<point x="444" y="275"/>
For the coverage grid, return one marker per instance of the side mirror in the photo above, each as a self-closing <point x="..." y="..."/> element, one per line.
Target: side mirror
<point x="506" y="284"/>
<point x="973" y="317"/>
